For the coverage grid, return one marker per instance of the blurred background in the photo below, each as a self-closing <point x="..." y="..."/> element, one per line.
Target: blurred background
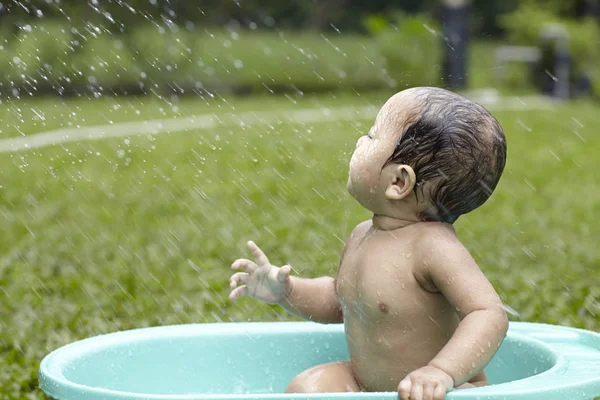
<point x="254" y="46"/>
<point x="144" y="142"/>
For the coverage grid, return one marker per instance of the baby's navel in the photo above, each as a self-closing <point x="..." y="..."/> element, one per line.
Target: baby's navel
<point x="383" y="307"/>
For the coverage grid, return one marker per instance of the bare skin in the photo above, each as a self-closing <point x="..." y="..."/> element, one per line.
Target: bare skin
<point x="420" y="317"/>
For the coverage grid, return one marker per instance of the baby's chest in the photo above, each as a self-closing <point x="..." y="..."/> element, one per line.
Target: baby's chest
<point x="375" y="282"/>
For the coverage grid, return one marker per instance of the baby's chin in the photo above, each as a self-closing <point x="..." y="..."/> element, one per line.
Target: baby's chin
<point x="350" y="187"/>
<point x="358" y="195"/>
<point x="353" y="188"/>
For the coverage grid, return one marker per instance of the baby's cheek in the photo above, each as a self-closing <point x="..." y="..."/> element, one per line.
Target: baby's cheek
<point x="355" y="163"/>
<point x="353" y="175"/>
<point x="352" y="163"/>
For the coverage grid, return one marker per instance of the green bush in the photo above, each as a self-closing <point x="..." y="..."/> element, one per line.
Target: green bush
<point x="164" y="56"/>
<point x="52" y="54"/>
<point x="36" y="54"/>
<point x="6" y="53"/>
<point x="105" y="61"/>
<point x="411" y="47"/>
<point x="308" y="61"/>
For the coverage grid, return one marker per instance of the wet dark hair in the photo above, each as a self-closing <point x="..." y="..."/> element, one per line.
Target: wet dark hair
<point x="457" y="150"/>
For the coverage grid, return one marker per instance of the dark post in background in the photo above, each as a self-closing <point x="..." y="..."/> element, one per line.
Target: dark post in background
<point x="455" y="16"/>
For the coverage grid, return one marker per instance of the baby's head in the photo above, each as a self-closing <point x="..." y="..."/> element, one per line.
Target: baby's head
<point x="430" y="153"/>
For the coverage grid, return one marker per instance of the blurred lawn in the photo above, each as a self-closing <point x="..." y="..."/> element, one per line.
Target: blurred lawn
<point x="132" y="232"/>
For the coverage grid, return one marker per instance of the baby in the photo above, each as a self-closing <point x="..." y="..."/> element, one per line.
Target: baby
<point x="420" y="317"/>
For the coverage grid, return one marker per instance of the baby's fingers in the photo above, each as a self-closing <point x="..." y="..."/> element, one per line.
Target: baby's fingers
<point x="416" y="392"/>
<point x="428" y="390"/>
<point x="237" y="278"/>
<point x="260" y="257"/>
<point x="404" y="389"/>
<point x="246" y="265"/>
<point x="439" y="393"/>
<point x="238" y="292"/>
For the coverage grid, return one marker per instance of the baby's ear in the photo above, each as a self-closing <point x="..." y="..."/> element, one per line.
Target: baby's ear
<point x="402" y="183"/>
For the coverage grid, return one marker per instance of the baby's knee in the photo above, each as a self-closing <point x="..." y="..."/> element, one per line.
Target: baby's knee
<point x="294" y="386"/>
<point x="302" y="383"/>
<point x="331" y="377"/>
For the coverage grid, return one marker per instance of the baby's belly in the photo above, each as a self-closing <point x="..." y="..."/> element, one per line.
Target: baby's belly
<point x="383" y="350"/>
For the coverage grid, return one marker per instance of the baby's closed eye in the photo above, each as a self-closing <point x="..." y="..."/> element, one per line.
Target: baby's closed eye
<point x="371" y="133"/>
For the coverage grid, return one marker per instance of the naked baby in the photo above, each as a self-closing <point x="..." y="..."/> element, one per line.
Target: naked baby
<point x="420" y="317"/>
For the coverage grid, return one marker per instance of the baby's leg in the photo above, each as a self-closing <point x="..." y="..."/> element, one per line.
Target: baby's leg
<point x="331" y="377"/>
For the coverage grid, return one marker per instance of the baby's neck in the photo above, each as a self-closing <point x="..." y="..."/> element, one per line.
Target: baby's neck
<point x="386" y="223"/>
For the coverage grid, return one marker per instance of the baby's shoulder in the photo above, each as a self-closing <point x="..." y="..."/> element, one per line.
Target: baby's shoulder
<point x="436" y="246"/>
<point x="362" y="228"/>
<point x="357" y="234"/>
<point x="359" y="231"/>
<point x="432" y="236"/>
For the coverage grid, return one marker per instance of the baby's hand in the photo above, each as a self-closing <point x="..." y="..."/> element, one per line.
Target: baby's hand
<point x="427" y="383"/>
<point x="261" y="280"/>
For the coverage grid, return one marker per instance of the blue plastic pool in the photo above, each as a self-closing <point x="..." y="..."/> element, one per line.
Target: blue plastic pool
<point x="257" y="360"/>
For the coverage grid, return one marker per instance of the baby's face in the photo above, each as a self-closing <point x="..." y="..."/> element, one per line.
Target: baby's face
<point x="368" y="179"/>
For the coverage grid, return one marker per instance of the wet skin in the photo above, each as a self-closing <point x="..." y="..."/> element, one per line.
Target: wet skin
<point x="419" y="315"/>
<point x="404" y="286"/>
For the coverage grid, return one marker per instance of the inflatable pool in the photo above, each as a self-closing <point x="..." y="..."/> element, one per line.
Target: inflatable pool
<point x="257" y="360"/>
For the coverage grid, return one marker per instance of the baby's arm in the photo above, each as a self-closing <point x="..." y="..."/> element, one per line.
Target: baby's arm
<point x="316" y="299"/>
<point x="450" y="267"/>
<point x="313" y="299"/>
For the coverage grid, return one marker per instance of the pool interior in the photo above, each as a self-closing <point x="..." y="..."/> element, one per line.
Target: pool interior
<point x="249" y="363"/>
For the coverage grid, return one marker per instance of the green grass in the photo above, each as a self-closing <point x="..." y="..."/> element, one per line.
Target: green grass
<point x="133" y="232"/>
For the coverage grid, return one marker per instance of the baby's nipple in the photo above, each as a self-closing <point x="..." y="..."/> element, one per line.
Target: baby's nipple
<point x="383" y="307"/>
